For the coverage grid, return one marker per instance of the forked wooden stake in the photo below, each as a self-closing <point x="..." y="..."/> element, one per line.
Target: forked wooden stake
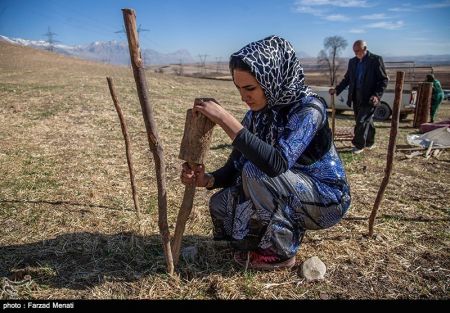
<point x="391" y="148"/>
<point x="194" y="146"/>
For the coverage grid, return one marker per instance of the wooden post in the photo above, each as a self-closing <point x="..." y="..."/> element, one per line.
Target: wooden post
<point x="391" y="148"/>
<point x="417" y="108"/>
<point x="194" y="146"/>
<point x="156" y="148"/>
<point x="123" y="125"/>
<point x="333" y="115"/>
<point x="422" y="113"/>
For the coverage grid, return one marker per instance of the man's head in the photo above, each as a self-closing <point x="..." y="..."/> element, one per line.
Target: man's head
<point x="360" y="48"/>
<point x="430" y="78"/>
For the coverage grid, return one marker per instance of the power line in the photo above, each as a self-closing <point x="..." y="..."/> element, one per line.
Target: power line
<point x="139" y="30"/>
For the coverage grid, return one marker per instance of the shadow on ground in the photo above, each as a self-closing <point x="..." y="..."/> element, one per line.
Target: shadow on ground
<point x="82" y="260"/>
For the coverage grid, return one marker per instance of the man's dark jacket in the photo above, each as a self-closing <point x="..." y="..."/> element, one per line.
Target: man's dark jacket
<point x="375" y="79"/>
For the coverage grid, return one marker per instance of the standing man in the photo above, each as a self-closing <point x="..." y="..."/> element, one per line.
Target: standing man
<point x="367" y="80"/>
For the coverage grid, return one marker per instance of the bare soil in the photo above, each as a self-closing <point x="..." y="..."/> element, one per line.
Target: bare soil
<point x="68" y="229"/>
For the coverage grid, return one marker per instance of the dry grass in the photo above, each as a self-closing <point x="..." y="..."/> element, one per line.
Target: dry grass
<point x="68" y="229"/>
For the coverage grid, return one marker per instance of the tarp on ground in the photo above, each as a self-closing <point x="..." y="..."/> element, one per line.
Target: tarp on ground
<point x="440" y="137"/>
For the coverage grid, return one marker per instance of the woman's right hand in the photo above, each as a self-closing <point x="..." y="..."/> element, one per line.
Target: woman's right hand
<point x="194" y="175"/>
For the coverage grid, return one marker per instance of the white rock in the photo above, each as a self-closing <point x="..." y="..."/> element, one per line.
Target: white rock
<point x="189" y="253"/>
<point x="313" y="269"/>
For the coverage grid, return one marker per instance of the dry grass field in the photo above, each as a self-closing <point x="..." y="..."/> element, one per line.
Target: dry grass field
<point x="68" y="229"/>
<point x="414" y="74"/>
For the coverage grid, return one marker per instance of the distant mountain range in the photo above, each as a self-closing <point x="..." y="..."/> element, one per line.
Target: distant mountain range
<point x="116" y="52"/>
<point x="113" y="52"/>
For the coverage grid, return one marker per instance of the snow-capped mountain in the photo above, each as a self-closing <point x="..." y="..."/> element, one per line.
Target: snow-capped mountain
<point x="113" y="52"/>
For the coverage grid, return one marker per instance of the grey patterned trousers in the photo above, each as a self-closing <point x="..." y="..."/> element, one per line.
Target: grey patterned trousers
<point x="271" y="212"/>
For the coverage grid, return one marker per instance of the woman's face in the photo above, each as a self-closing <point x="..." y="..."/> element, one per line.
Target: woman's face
<point x="250" y="90"/>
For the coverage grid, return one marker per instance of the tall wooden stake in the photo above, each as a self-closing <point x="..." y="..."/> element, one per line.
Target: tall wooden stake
<point x="333" y="115"/>
<point x="123" y="125"/>
<point x="198" y="130"/>
<point x="391" y="148"/>
<point x="156" y="148"/>
<point x="422" y="114"/>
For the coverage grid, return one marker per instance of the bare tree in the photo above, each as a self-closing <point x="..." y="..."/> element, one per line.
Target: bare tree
<point x="328" y="57"/>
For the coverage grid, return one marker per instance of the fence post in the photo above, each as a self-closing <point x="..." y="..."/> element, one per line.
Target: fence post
<point x="156" y="148"/>
<point x="422" y="112"/>
<point x="391" y="148"/>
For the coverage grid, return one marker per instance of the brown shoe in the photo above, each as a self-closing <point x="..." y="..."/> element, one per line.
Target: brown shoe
<point x="254" y="260"/>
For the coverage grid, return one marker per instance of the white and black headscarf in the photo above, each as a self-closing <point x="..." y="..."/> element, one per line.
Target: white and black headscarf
<point x="277" y="69"/>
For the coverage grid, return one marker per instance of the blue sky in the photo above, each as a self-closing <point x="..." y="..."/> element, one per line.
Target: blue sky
<point x="218" y="28"/>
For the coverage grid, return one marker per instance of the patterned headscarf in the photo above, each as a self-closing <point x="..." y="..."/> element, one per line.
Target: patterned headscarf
<point x="273" y="62"/>
<point x="277" y="70"/>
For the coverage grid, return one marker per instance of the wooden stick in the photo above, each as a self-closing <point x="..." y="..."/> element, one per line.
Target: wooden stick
<point x="197" y="137"/>
<point x="391" y="148"/>
<point x="423" y="109"/>
<point x="123" y="125"/>
<point x="333" y="115"/>
<point x="427" y="154"/>
<point x="156" y="148"/>
<point x="182" y="218"/>
<point x="417" y="108"/>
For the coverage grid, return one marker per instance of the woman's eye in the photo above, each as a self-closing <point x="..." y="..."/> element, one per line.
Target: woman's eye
<point x="250" y="89"/>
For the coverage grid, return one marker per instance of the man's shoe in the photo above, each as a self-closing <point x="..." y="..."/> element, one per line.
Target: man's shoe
<point x="371" y="147"/>
<point x="356" y="150"/>
<point x="257" y="261"/>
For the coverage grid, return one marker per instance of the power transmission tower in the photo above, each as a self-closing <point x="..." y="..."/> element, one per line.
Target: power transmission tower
<point x="203" y="62"/>
<point x="218" y="59"/>
<point x="180" y="72"/>
<point x="50" y="40"/>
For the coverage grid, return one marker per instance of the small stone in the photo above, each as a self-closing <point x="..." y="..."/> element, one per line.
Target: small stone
<point x="189" y="253"/>
<point x="313" y="269"/>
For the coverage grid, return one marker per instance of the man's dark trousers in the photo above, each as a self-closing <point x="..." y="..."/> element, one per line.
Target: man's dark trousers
<point x="364" y="135"/>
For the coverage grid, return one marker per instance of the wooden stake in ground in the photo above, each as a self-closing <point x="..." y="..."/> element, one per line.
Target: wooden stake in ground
<point x="422" y="112"/>
<point x="333" y="115"/>
<point x="391" y="148"/>
<point x="156" y="148"/>
<point x="194" y="146"/>
<point x="123" y="125"/>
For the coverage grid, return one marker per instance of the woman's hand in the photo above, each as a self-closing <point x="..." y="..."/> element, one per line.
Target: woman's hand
<point x="194" y="175"/>
<point x="212" y="110"/>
